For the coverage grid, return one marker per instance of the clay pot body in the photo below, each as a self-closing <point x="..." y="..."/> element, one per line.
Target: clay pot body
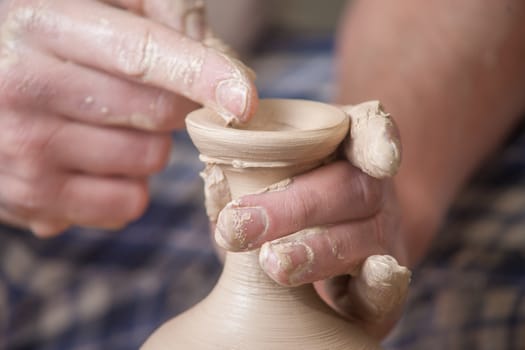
<point x="247" y="310"/>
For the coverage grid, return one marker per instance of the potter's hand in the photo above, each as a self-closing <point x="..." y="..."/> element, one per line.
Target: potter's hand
<point x="340" y="217"/>
<point x="345" y="226"/>
<point x="89" y="92"/>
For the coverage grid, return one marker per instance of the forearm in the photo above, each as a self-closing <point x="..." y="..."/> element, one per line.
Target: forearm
<point x="451" y="73"/>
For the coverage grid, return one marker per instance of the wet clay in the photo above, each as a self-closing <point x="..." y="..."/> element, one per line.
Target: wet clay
<point x="247" y="310"/>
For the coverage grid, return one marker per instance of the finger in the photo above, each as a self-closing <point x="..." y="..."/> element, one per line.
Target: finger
<point x="42" y="226"/>
<point x="374" y="296"/>
<point x="7" y="217"/>
<point x="334" y="193"/>
<point x="91" y="96"/>
<point x="115" y="41"/>
<point x="76" y="199"/>
<point x="321" y="252"/>
<point x="31" y="145"/>
<point x="108" y="151"/>
<point x="374" y="144"/>
<point x="186" y="16"/>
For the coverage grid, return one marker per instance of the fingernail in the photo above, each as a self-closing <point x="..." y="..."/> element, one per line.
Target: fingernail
<point x="287" y="263"/>
<point x="240" y="228"/>
<point x="231" y="96"/>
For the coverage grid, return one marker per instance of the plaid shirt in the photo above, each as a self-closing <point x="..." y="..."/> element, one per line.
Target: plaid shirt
<point x="89" y="289"/>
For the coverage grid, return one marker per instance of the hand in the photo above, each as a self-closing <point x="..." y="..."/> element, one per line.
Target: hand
<point x="332" y="223"/>
<point x="340" y="217"/>
<point x="89" y="93"/>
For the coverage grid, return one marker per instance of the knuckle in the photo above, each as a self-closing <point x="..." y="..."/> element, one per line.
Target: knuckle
<point x="21" y="141"/>
<point x="27" y="139"/>
<point x="33" y="170"/>
<point x="303" y="207"/>
<point x="26" y="198"/>
<point x="19" y="86"/>
<point x="136" y="54"/>
<point x="28" y="147"/>
<point x="28" y="18"/>
<point x="309" y="205"/>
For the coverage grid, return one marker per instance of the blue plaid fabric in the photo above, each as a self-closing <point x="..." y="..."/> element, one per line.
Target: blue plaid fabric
<point x="470" y="291"/>
<point x="89" y="289"/>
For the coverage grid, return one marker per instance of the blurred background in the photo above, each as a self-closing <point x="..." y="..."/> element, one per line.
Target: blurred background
<point x="259" y="19"/>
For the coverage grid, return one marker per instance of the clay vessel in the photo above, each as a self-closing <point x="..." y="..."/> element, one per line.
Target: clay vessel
<point x="247" y="310"/>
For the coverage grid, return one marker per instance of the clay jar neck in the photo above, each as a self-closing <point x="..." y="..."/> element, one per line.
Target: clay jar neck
<point x="285" y="138"/>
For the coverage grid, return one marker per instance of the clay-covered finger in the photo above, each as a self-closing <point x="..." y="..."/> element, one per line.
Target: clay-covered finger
<point x="380" y="286"/>
<point x="334" y="193"/>
<point x="374" y="296"/>
<point x="374" y="145"/>
<point x="319" y="253"/>
<point x="116" y="41"/>
<point x="90" y="96"/>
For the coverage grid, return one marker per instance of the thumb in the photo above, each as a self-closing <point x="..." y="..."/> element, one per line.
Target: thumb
<point x="374" y="297"/>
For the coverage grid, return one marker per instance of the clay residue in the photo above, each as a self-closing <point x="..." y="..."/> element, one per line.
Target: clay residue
<point x="239" y="221"/>
<point x="231" y="227"/>
<point x="285" y="248"/>
<point x="9" y="36"/>
<point x="241" y="164"/>
<point x="381" y="285"/>
<point x="277" y="187"/>
<point x="216" y="190"/>
<point x="374" y="144"/>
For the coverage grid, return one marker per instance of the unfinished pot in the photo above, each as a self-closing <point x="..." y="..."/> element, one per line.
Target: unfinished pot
<point x="247" y="310"/>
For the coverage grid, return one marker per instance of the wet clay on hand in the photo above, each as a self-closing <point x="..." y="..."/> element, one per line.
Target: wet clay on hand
<point x="246" y="309"/>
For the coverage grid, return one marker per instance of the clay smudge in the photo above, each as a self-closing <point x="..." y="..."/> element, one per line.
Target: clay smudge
<point x="373" y="144"/>
<point x="233" y="223"/>
<point x="239" y="221"/>
<point x="284" y="250"/>
<point x="142" y="121"/>
<point x="334" y="246"/>
<point x="9" y="33"/>
<point x="241" y="164"/>
<point x="216" y="190"/>
<point x="277" y="187"/>
<point x="381" y="285"/>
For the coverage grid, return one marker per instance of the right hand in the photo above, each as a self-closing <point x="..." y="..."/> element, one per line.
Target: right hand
<point x="89" y="93"/>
